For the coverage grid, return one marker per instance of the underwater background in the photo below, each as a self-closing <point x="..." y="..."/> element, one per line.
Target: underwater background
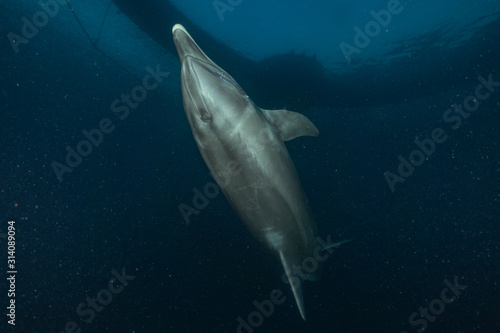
<point x="406" y="97"/>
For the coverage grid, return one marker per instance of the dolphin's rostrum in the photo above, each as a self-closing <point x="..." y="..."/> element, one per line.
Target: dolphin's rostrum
<point x="233" y="133"/>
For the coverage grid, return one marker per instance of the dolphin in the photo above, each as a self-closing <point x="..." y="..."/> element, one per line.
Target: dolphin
<point x="242" y="145"/>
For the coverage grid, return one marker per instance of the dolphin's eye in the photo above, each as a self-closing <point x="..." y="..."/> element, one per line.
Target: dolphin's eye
<point x="205" y="116"/>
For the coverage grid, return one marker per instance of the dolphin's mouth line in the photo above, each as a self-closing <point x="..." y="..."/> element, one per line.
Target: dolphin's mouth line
<point x="190" y="46"/>
<point x="203" y="112"/>
<point x="194" y="58"/>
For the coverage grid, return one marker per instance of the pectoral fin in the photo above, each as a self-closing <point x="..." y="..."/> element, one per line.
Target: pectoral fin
<point x="290" y="125"/>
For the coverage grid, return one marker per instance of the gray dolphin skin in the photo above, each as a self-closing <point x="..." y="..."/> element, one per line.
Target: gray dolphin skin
<point x="243" y="148"/>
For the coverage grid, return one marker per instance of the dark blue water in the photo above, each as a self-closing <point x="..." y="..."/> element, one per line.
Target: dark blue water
<point x="424" y="216"/>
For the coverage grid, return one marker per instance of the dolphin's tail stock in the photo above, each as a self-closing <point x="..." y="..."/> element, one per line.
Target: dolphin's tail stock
<point x="295" y="283"/>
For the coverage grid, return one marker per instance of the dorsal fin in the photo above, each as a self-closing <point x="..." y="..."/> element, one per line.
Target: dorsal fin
<point x="289" y="124"/>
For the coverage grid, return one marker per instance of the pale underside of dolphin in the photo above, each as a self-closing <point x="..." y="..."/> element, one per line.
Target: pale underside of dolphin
<point x="242" y="145"/>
